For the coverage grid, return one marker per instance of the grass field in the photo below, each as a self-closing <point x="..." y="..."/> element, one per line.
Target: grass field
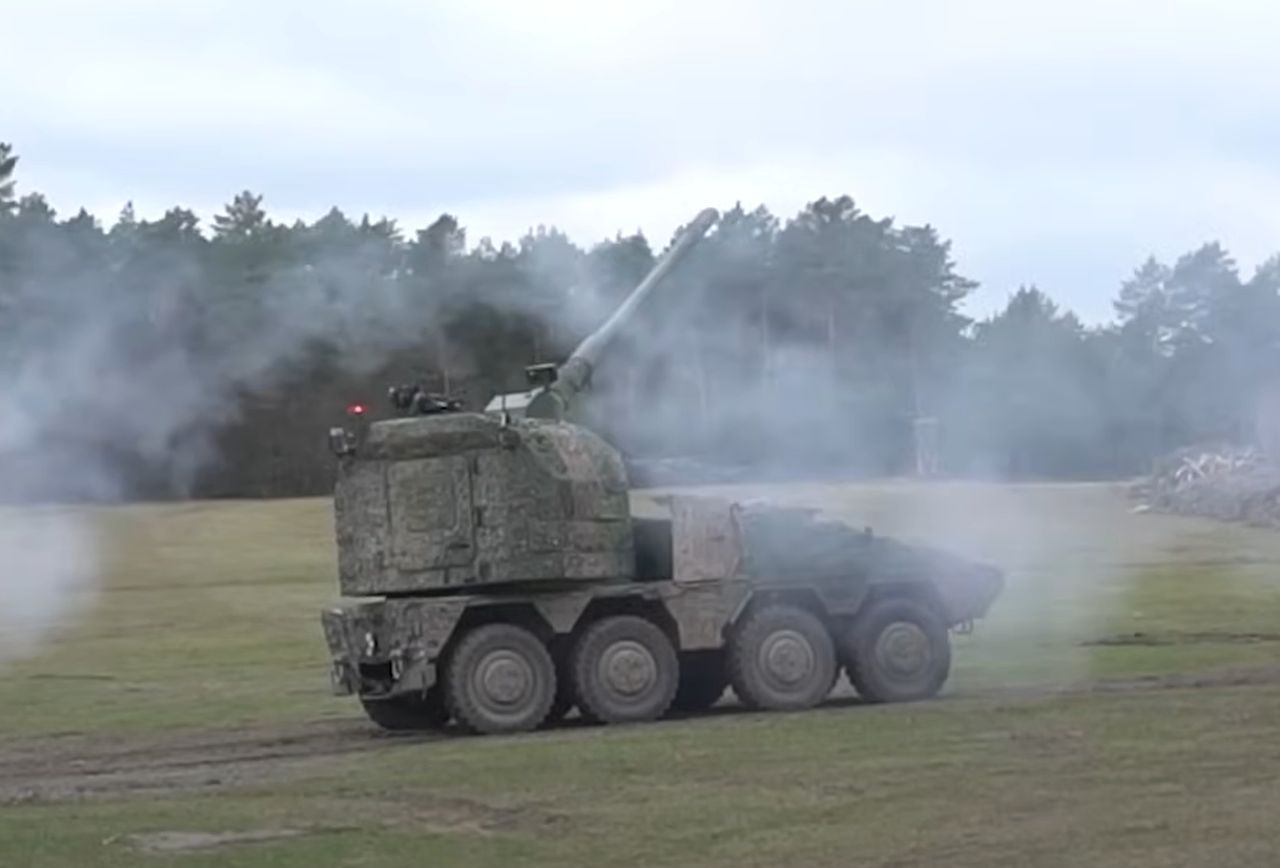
<point x="1118" y="707"/>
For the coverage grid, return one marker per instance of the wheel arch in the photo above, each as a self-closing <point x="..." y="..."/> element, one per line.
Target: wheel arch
<point x="837" y="604"/>
<point x="807" y="597"/>
<point x="651" y="609"/>
<point x="517" y="613"/>
<point x="923" y="592"/>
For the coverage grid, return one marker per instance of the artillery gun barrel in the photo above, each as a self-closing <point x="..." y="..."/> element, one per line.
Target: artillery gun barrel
<point x="575" y="374"/>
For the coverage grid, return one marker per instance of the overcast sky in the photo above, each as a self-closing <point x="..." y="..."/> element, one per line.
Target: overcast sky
<point x="1056" y="143"/>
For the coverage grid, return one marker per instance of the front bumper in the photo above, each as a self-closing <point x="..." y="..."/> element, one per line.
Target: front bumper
<point x="375" y="651"/>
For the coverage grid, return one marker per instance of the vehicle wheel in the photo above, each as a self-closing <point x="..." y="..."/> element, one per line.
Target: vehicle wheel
<point x="624" y="670"/>
<point x="407" y="713"/>
<point x="898" y="651"/>
<point x="781" y="659"/>
<point x="702" y="681"/>
<point x="500" y="678"/>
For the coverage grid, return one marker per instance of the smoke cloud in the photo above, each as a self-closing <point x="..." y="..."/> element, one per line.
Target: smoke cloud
<point x="103" y="373"/>
<point x="805" y="349"/>
<point x="50" y="564"/>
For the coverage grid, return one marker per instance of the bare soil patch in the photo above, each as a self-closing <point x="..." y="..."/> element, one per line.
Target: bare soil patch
<point x="69" y="767"/>
<point x="1207" y="637"/>
<point x="181" y="842"/>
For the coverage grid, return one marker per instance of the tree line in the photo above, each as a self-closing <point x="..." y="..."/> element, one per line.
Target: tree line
<point x="160" y="358"/>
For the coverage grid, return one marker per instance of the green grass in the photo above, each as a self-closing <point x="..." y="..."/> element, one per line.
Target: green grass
<point x="206" y="614"/>
<point x="205" y="625"/>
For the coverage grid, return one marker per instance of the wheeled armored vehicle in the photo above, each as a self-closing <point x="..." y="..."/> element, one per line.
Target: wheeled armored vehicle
<point x="506" y="579"/>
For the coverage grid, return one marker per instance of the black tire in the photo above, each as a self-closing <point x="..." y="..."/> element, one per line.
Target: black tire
<point x="565" y="699"/>
<point x="560" y="709"/>
<point x="898" y="650"/>
<point x="781" y="658"/>
<point x="499" y="678"/>
<point x="407" y="713"/>
<point x="703" y="681"/>
<point x="625" y="670"/>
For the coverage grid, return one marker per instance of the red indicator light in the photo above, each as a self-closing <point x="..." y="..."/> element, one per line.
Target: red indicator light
<point x="356" y="409"/>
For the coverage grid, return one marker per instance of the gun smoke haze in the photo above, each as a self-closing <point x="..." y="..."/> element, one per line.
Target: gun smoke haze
<point x="96" y="381"/>
<point x="112" y="371"/>
<point x="1071" y="578"/>
<point x="50" y="566"/>
<point x="109" y="372"/>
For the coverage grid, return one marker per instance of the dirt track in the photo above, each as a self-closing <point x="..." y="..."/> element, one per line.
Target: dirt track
<point x="70" y="767"/>
<point x="67" y="768"/>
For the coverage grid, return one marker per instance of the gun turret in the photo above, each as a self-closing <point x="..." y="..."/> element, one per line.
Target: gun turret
<point x="555" y="388"/>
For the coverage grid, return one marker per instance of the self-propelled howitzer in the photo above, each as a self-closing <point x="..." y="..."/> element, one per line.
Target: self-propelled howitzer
<point x="513" y="582"/>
